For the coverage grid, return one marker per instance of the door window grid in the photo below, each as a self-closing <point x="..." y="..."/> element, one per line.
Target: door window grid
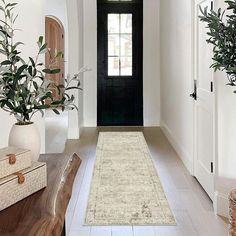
<point x="120" y="45"/>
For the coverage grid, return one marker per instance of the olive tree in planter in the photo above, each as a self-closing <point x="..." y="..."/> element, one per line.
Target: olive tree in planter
<point x="24" y="87"/>
<point x="222" y="35"/>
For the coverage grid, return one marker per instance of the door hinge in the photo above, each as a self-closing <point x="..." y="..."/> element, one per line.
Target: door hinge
<point x="212" y="167"/>
<point x="212" y="5"/>
<point x="212" y="87"/>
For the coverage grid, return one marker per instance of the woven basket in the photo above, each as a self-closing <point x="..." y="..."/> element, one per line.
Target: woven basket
<point x="22" y="184"/>
<point x="13" y="159"/>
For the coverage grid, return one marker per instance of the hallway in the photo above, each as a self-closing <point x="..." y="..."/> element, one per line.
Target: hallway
<point x="149" y="69"/>
<point x="192" y="207"/>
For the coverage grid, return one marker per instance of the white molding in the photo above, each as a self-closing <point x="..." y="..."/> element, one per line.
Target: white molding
<point x="221" y="204"/>
<point x="183" y="154"/>
<point x="73" y="65"/>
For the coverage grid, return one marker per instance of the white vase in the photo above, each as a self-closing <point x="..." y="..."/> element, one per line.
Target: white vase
<point x="27" y="137"/>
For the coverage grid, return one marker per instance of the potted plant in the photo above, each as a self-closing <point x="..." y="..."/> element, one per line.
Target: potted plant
<point x="24" y="86"/>
<point x="222" y="35"/>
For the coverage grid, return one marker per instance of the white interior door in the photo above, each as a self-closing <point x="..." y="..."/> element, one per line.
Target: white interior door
<point x="204" y="105"/>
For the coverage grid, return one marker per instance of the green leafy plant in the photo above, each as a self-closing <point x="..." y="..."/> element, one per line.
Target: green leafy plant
<point x="222" y="35"/>
<point x="25" y="86"/>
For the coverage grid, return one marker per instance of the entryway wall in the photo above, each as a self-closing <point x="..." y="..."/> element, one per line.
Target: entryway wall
<point x="33" y="28"/>
<point x="82" y="51"/>
<point x="225" y="179"/>
<point x="151" y="76"/>
<point x="177" y="108"/>
<point x="76" y="52"/>
<point x="70" y="13"/>
<point x="177" y="114"/>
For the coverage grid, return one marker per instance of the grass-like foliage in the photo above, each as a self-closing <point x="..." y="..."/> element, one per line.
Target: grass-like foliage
<point x="25" y="85"/>
<point x="222" y="35"/>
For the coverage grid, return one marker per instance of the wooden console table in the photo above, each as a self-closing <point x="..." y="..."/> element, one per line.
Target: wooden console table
<point x="43" y="213"/>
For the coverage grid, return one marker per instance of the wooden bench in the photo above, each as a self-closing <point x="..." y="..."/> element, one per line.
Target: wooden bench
<point x="43" y="213"/>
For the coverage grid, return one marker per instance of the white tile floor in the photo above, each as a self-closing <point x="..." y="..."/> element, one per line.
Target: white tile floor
<point x="192" y="207"/>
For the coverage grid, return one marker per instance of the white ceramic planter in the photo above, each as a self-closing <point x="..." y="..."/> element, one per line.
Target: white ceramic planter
<point x="27" y="137"/>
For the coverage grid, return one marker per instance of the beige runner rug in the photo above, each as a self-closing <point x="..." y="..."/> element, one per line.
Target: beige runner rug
<point x="126" y="189"/>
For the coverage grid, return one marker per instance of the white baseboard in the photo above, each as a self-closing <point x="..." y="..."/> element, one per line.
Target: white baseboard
<point x="221" y="204"/>
<point x="183" y="154"/>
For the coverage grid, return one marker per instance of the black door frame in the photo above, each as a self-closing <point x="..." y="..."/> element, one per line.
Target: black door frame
<point x="136" y="8"/>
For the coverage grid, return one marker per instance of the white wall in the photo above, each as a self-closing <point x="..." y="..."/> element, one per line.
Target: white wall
<point x="226" y="135"/>
<point x="225" y="179"/>
<point x="90" y="60"/>
<point x="73" y="65"/>
<point x="226" y="103"/>
<point x="70" y="13"/>
<point x="176" y="77"/>
<point x="177" y="107"/>
<point x="151" y="62"/>
<point x="151" y="76"/>
<point x="31" y="23"/>
<point x="81" y="61"/>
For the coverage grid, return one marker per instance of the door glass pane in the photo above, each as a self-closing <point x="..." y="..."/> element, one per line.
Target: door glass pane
<point x="113" y="66"/>
<point x="126" y="66"/>
<point x="113" y="23"/>
<point x="126" y="23"/>
<point x="120" y="0"/>
<point x="113" y="45"/>
<point x="126" y="45"/>
<point x="120" y="45"/>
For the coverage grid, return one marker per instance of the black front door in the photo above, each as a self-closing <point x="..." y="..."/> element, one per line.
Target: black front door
<point x="120" y="63"/>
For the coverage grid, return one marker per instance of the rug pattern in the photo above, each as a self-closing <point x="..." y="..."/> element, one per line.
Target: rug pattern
<point x="126" y="189"/>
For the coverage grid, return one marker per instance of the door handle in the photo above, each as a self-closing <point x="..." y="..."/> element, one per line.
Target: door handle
<point x="193" y="95"/>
